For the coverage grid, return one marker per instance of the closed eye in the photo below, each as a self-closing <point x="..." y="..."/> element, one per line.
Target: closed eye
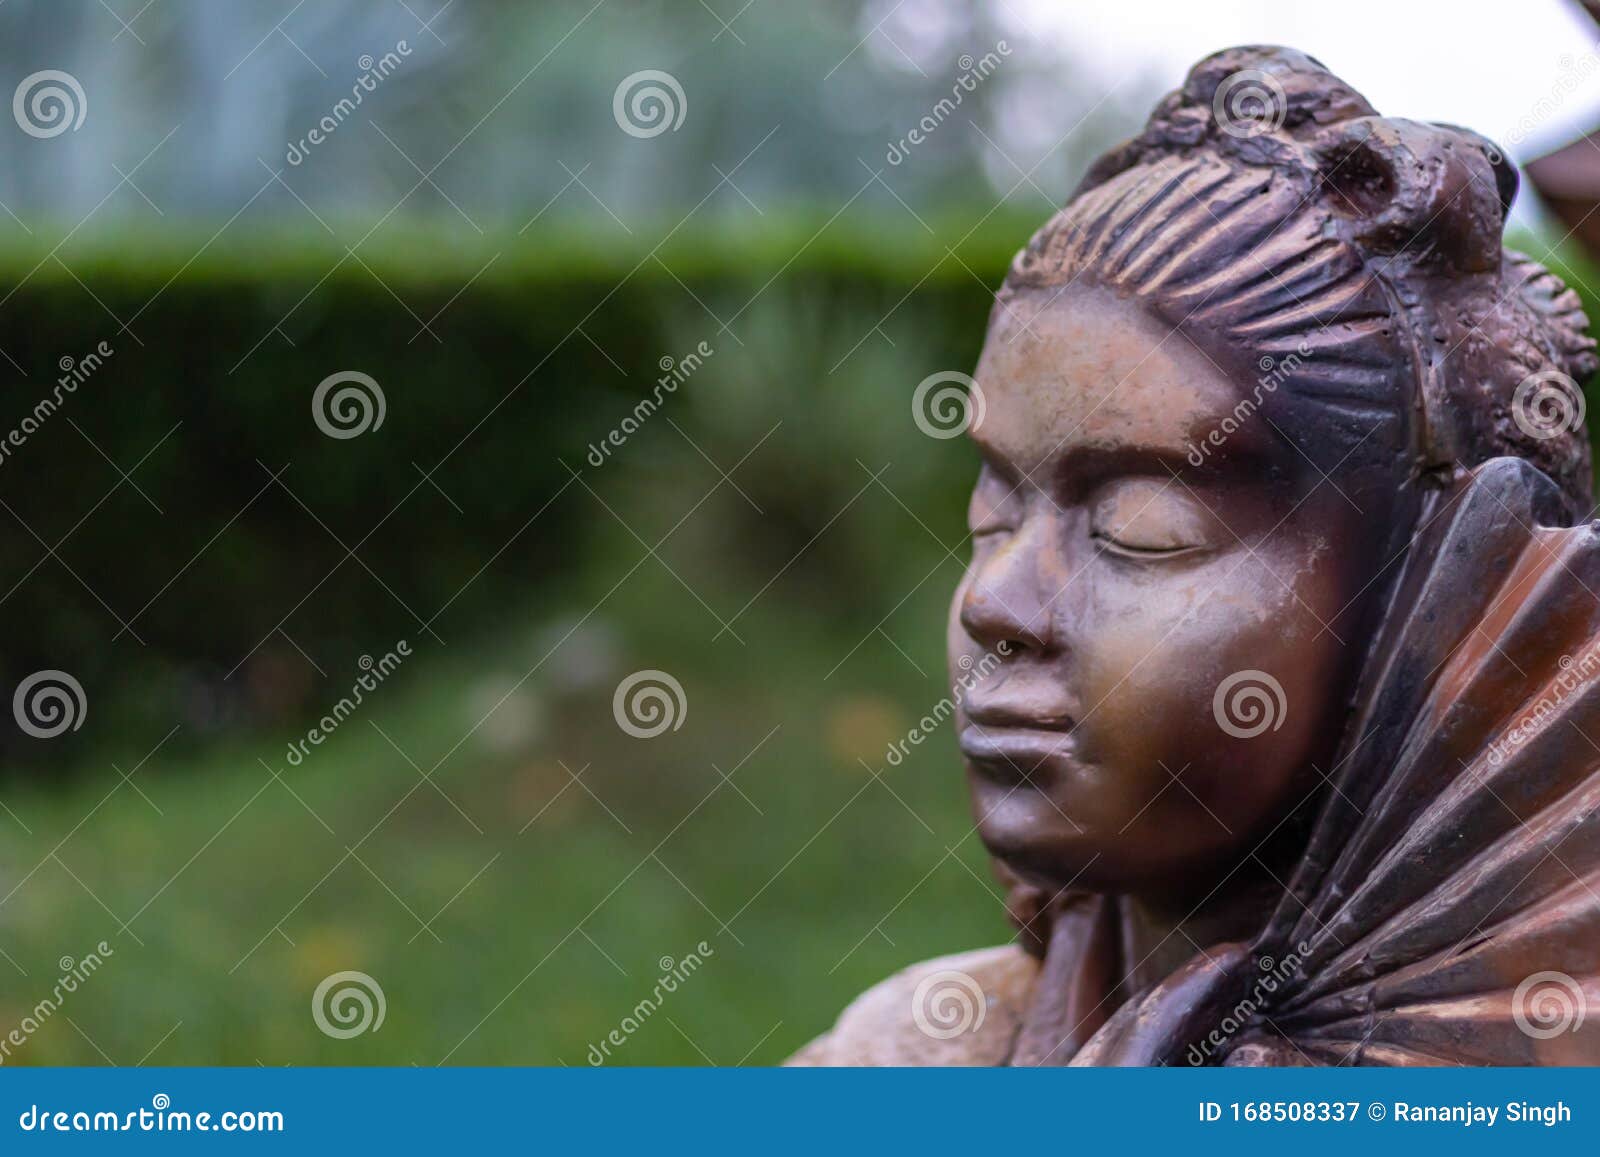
<point x="989" y="530"/>
<point x="1135" y="550"/>
<point x="995" y="507"/>
<point x="1142" y="518"/>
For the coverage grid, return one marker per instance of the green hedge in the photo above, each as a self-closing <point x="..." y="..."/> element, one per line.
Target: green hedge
<point x="541" y="351"/>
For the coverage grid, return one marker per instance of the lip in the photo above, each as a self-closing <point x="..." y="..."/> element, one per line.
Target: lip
<point x="1010" y="712"/>
<point x="1013" y="754"/>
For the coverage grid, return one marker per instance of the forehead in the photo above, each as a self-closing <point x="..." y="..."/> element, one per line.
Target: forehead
<point x="1083" y="369"/>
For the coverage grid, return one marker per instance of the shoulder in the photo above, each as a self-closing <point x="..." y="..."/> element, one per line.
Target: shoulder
<point x="963" y="1009"/>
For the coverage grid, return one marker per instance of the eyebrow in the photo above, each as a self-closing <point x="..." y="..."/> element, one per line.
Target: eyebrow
<point x="1082" y="467"/>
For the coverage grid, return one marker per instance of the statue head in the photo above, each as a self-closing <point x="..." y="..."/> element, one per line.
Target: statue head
<point x="1216" y="387"/>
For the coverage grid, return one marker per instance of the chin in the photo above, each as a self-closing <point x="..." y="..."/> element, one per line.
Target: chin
<point x="1024" y="830"/>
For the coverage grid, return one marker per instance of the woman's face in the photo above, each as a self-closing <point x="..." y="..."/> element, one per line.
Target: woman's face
<point x="1128" y="585"/>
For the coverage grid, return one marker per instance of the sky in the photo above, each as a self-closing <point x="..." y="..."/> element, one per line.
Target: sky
<point x="1526" y="75"/>
<point x="1484" y="65"/>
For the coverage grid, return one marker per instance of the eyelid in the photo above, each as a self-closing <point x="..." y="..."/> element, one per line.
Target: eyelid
<point x="995" y="504"/>
<point x="1112" y="546"/>
<point x="994" y="521"/>
<point x="1173" y="525"/>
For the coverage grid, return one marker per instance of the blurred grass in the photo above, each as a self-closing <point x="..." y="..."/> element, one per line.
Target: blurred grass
<point x="246" y="891"/>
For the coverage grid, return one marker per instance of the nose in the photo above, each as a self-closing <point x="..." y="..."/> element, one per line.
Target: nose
<point x="1008" y="600"/>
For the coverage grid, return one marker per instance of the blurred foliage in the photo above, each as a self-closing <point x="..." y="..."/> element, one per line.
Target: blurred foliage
<point x="247" y="559"/>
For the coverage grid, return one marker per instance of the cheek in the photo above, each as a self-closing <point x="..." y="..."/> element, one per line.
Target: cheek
<point x="1160" y="649"/>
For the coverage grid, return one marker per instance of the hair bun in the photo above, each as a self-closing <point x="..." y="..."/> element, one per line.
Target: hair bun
<point x="1431" y="192"/>
<point x="1257" y="104"/>
<point x="1250" y="91"/>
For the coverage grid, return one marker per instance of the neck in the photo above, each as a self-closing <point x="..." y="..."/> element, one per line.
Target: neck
<point x="1161" y="934"/>
<point x="1102" y="950"/>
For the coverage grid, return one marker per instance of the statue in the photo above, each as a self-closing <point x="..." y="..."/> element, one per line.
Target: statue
<point x="1291" y="751"/>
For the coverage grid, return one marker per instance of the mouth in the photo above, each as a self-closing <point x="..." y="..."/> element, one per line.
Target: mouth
<point x="1010" y="754"/>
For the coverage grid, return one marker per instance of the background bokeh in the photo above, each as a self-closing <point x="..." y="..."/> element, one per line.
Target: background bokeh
<point x="483" y="238"/>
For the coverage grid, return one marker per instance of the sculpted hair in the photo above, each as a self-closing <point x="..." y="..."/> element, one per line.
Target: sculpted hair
<point x="1267" y="210"/>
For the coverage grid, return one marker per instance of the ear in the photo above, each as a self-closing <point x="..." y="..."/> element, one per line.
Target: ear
<point x="1434" y="194"/>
